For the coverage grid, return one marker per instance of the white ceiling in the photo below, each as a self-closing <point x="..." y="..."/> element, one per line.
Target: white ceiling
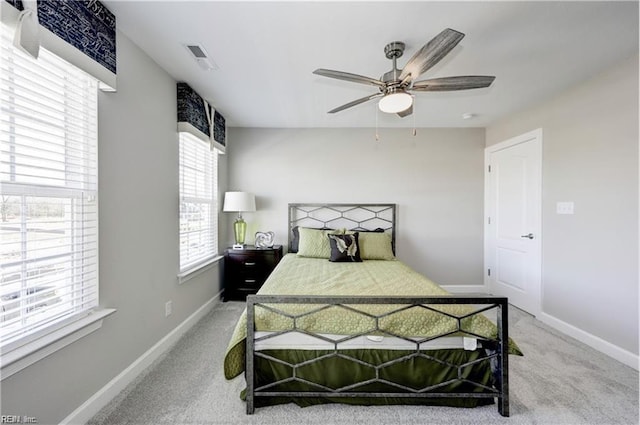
<point x="266" y="52"/>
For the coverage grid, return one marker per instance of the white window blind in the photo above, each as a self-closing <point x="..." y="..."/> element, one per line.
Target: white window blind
<point x="198" y="202"/>
<point x="48" y="190"/>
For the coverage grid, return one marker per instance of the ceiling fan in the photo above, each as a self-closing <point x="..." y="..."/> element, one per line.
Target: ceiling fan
<point x="395" y="86"/>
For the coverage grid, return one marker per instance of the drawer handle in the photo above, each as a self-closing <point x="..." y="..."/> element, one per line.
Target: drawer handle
<point x="249" y="264"/>
<point x="250" y="281"/>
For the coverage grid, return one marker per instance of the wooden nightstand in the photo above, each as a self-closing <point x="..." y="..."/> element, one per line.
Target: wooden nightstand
<point x="245" y="270"/>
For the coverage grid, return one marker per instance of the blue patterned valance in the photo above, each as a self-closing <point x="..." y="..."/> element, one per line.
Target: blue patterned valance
<point x="196" y="116"/>
<point x="81" y="32"/>
<point x="191" y="110"/>
<point x="219" y="129"/>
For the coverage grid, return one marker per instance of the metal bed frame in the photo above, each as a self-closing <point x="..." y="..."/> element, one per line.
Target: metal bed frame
<point x="370" y="217"/>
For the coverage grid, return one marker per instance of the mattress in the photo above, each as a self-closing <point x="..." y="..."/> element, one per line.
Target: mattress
<point x="302" y="341"/>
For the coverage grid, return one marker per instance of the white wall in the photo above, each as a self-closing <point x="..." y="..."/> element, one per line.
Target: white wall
<point x="138" y="198"/>
<point x="436" y="178"/>
<point x="590" y="157"/>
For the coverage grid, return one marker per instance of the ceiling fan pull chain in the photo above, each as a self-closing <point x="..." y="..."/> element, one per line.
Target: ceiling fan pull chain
<point x="377" y="135"/>
<point x="414" y="119"/>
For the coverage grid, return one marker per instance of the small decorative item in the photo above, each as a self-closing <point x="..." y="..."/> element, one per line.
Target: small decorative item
<point x="264" y="239"/>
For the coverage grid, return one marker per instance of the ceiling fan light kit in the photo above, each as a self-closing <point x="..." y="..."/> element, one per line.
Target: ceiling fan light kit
<point x="395" y="102"/>
<point x="395" y="86"/>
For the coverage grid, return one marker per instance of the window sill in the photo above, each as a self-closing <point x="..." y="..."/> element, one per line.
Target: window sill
<point x="196" y="270"/>
<point x="22" y="357"/>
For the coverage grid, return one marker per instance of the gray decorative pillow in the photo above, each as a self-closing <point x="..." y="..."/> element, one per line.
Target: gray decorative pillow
<point x="344" y="248"/>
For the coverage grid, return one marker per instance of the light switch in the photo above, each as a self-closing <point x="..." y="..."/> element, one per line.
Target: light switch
<point x="564" y="208"/>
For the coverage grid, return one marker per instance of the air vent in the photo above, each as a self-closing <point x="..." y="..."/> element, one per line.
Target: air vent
<point x="200" y="55"/>
<point x="197" y="51"/>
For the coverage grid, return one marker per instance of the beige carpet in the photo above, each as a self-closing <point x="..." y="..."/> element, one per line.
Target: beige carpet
<point x="559" y="381"/>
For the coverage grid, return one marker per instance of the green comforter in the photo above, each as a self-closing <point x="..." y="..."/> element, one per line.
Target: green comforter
<point x="311" y="276"/>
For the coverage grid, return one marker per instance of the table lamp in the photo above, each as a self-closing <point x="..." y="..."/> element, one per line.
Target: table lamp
<point x="239" y="202"/>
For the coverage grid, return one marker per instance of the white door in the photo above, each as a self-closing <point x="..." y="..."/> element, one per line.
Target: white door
<point x="513" y="192"/>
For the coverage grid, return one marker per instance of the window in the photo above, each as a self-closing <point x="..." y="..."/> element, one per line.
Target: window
<point x="48" y="194"/>
<point x="198" y="203"/>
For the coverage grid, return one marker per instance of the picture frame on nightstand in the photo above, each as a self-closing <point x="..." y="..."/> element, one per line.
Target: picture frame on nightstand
<point x="264" y="239"/>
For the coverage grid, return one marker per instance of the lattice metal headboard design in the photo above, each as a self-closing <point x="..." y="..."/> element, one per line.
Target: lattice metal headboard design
<point x="361" y="217"/>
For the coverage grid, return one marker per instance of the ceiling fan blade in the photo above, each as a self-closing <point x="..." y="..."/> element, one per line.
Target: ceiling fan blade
<point x="430" y="54"/>
<point x="354" y="103"/>
<point x="453" y="83"/>
<point x="354" y="78"/>
<point x="406" y="112"/>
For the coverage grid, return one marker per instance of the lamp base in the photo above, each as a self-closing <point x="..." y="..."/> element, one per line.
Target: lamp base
<point x="239" y="231"/>
<point x="238" y="246"/>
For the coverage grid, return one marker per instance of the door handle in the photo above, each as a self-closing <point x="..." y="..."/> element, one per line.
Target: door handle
<point x="530" y="236"/>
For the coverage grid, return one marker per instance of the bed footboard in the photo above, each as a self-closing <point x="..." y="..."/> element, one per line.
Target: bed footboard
<point x="496" y="348"/>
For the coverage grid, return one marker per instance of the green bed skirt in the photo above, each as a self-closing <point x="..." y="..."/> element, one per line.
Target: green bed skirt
<point x="337" y="372"/>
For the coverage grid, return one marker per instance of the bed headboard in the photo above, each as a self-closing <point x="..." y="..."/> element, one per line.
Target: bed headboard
<point x="350" y="216"/>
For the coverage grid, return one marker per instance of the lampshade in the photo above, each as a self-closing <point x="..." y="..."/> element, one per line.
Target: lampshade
<point x="395" y="102"/>
<point x="239" y="202"/>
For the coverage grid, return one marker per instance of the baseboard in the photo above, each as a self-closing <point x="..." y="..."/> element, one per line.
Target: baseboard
<point x="620" y="354"/>
<point x="465" y="289"/>
<point x="107" y="393"/>
<point x="626" y="357"/>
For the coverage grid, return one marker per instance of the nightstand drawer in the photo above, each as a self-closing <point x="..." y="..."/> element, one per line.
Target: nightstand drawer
<point x="247" y="264"/>
<point x="248" y="282"/>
